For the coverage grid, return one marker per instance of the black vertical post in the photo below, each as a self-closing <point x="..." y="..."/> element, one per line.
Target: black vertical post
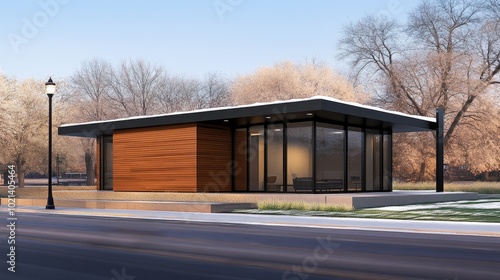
<point x="363" y="157"/>
<point x="389" y="154"/>
<point x="314" y="156"/>
<point x="381" y="161"/>
<point x="248" y="158"/>
<point x="265" y="157"/>
<point x="285" y="157"/>
<point x="233" y="159"/>
<point x="440" y="150"/>
<point x="346" y="163"/>
<point x="50" y="199"/>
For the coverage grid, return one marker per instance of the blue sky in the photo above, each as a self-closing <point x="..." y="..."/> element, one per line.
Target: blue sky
<point x="189" y="37"/>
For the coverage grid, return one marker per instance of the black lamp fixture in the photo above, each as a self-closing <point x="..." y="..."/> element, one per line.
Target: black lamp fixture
<point x="50" y="89"/>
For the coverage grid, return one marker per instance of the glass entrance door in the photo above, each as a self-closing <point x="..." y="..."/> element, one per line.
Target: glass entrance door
<point x="107" y="163"/>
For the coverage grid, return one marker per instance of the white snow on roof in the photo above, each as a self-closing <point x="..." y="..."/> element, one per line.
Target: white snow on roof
<point x="354" y="104"/>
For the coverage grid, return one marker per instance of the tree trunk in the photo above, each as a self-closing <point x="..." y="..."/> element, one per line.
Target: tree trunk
<point x="20" y="173"/>
<point x="421" y="174"/>
<point x="89" y="168"/>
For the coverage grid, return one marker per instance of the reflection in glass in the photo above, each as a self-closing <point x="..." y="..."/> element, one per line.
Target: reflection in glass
<point x="373" y="156"/>
<point x="387" y="148"/>
<point x="256" y="158"/>
<point x="107" y="163"/>
<point x="355" y="159"/>
<point x="300" y="156"/>
<point x="275" y="157"/>
<point x="329" y="157"/>
<point x="240" y="159"/>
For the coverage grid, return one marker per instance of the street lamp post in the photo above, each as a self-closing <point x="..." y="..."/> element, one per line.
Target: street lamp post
<point x="50" y="89"/>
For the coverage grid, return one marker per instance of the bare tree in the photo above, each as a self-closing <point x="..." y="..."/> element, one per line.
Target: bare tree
<point x="90" y="90"/>
<point x="184" y="93"/>
<point x="90" y="87"/>
<point x="135" y="87"/>
<point x="25" y="127"/>
<point x="446" y="55"/>
<point x="214" y="92"/>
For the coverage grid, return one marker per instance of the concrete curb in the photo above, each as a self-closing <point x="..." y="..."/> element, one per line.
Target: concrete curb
<point x="202" y="207"/>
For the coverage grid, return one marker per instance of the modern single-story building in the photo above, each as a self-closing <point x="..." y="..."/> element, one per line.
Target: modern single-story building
<point x="312" y="145"/>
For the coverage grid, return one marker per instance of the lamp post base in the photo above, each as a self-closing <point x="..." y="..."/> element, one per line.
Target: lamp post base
<point x="50" y="204"/>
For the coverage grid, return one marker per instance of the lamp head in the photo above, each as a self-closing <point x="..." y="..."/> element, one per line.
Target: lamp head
<point x="50" y="87"/>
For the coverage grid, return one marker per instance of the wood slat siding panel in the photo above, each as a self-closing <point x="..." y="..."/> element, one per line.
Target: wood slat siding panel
<point x="155" y="159"/>
<point x="214" y="159"/>
<point x="98" y="163"/>
<point x="240" y="158"/>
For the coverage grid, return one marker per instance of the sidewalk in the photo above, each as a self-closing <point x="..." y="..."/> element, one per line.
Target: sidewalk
<point x="434" y="227"/>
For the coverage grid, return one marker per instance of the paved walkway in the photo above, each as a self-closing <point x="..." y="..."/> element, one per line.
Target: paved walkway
<point x="434" y="227"/>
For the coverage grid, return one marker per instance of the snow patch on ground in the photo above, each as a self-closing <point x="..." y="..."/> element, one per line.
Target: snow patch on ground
<point x="465" y="204"/>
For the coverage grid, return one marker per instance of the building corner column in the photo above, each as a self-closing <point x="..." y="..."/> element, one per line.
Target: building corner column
<point x="440" y="150"/>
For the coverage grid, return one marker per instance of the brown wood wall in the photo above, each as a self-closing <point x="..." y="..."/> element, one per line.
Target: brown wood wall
<point x="98" y="163"/>
<point x="214" y="159"/>
<point x="155" y="159"/>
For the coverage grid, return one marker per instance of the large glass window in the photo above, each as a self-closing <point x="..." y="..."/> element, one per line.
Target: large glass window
<point x="387" y="163"/>
<point x="256" y="158"/>
<point x="373" y="160"/>
<point x="329" y="157"/>
<point x="300" y="156"/>
<point x="367" y="154"/>
<point x="355" y="143"/>
<point x="240" y="159"/>
<point x="107" y="163"/>
<point x="275" y="157"/>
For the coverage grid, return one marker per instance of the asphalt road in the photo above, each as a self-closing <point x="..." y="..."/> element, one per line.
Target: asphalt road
<point x="76" y="247"/>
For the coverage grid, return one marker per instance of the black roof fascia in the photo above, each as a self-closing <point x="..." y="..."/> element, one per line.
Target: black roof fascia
<point x="247" y="115"/>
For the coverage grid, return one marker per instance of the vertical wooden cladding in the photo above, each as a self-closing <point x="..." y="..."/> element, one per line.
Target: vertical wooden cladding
<point x="214" y="159"/>
<point x="155" y="159"/>
<point x="240" y="160"/>
<point x="98" y="163"/>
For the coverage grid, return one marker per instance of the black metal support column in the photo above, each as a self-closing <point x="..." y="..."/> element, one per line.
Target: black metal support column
<point x="440" y="150"/>
<point x="363" y="157"/>
<point x="285" y="157"/>
<point x="390" y="162"/>
<point x="314" y="156"/>
<point x="346" y="163"/>
<point x="233" y="160"/>
<point x="248" y="159"/>
<point x="265" y="157"/>
<point x="101" y="162"/>
<point x="381" y="161"/>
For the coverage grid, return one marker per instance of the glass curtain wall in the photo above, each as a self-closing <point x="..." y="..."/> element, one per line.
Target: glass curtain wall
<point x="387" y="163"/>
<point x="355" y="158"/>
<point x="300" y="157"/>
<point x="275" y="157"/>
<point x="373" y="160"/>
<point x="329" y="157"/>
<point x="256" y="158"/>
<point x="107" y="163"/>
<point x="368" y="157"/>
<point x="240" y="159"/>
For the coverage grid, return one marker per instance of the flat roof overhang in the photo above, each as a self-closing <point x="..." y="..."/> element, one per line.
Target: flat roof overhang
<point x="315" y="108"/>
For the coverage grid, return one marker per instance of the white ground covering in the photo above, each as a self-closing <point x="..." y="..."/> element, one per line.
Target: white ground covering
<point x="464" y="204"/>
